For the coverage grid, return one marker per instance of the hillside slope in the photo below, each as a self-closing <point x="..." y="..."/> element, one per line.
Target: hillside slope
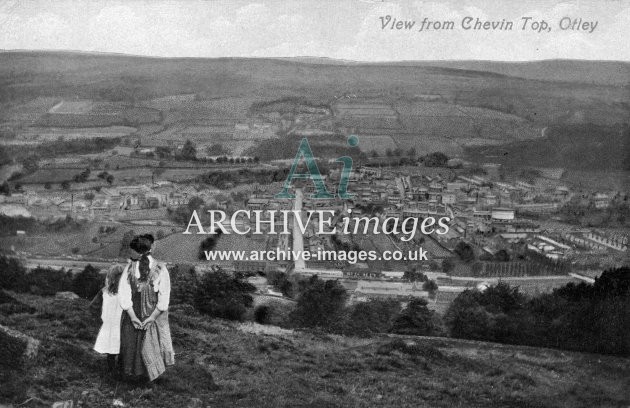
<point x="542" y="98"/>
<point x="224" y="364"/>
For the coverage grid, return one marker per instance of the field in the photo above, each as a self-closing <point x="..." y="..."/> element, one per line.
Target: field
<point x="380" y="144"/>
<point x="54" y="244"/>
<point x="51" y="134"/>
<point x="598" y="180"/>
<point x="27" y="112"/>
<point x="426" y="107"/>
<point x="52" y="175"/>
<point x="179" y="248"/>
<point x="226" y="364"/>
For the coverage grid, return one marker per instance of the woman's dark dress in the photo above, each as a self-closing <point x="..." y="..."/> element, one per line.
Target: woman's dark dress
<point x="145" y="352"/>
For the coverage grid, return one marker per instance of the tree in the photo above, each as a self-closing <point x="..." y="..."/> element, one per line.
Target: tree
<point x="189" y="151"/>
<point x="413" y="275"/>
<point x="464" y="251"/>
<point x="208" y="245"/>
<point x="88" y="282"/>
<point x="124" y="243"/>
<point x="448" y="265"/>
<point x="47" y="185"/>
<point x="502" y="256"/>
<point x="281" y="282"/>
<point x="184" y="283"/>
<point x="224" y="296"/>
<point x="320" y="304"/>
<point x="12" y="274"/>
<point x="430" y="286"/>
<point x="416" y="319"/>
<point x="195" y="203"/>
<point x="48" y="281"/>
<point x="466" y="318"/>
<point x="216" y="149"/>
<point x="110" y="179"/>
<point x="436" y="159"/>
<point x="163" y="152"/>
<point x="412" y="153"/>
<point x="374" y="316"/>
<point x="65" y="185"/>
<point x="30" y="164"/>
<point x="5" y="188"/>
<point x="83" y="176"/>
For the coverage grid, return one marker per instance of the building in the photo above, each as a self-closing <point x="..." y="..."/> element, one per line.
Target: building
<point x="502" y="214"/>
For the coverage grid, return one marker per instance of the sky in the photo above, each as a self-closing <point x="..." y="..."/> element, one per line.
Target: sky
<point x="339" y="29"/>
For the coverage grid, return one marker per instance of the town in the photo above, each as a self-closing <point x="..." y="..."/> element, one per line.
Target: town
<point x="426" y="163"/>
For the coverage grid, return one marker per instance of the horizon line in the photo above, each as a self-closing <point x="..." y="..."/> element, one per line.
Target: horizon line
<point x="331" y="59"/>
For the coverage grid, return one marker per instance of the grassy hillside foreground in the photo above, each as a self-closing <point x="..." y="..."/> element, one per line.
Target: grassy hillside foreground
<point x="225" y="364"/>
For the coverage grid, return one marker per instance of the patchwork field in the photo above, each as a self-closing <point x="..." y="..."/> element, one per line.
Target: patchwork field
<point x="380" y="144"/>
<point x="51" y="134"/>
<point x="56" y="244"/>
<point x="179" y="248"/>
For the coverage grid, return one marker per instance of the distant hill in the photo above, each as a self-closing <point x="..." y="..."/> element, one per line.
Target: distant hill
<point x="590" y="72"/>
<point x="537" y="91"/>
<point x="584" y="147"/>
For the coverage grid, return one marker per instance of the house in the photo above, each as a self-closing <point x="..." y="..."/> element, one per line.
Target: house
<point x="257" y="203"/>
<point x="601" y="200"/>
<point x="449" y="198"/>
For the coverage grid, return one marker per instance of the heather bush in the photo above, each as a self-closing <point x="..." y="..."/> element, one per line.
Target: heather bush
<point x="221" y="295"/>
<point x="88" y="282"/>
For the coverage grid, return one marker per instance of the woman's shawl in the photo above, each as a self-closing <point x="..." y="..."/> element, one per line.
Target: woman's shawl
<point x="157" y="348"/>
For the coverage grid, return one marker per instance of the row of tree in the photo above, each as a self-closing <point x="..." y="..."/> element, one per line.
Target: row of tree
<point x="585" y="317"/>
<point x="48" y="281"/>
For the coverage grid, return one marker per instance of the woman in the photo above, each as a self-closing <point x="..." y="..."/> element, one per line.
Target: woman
<point x="144" y="292"/>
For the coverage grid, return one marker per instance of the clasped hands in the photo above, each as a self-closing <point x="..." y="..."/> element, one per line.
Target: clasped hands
<point x="142" y="325"/>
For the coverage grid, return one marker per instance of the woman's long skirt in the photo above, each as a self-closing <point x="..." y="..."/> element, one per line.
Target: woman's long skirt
<point x="131" y="341"/>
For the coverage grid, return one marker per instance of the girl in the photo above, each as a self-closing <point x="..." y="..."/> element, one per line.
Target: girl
<point x="108" y="339"/>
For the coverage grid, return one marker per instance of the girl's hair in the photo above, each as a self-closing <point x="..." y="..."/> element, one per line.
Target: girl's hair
<point x="113" y="276"/>
<point x="143" y="266"/>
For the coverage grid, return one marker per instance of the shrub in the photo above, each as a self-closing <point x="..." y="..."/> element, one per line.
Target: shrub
<point x="321" y="304"/>
<point x="124" y="250"/>
<point x="48" y="281"/>
<point x="12" y="274"/>
<point x="417" y="319"/>
<point x="207" y="244"/>
<point x="281" y="282"/>
<point x="88" y="282"/>
<point x="224" y="296"/>
<point x="184" y="284"/>
<point x="465" y="251"/>
<point x="584" y="317"/>
<point x="374" y="316"/>
<point x="262" y="314"/>
<point x="431" y="287"/>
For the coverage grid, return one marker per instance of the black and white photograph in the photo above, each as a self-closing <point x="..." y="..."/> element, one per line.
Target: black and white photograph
<point x="314" y="203"/>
